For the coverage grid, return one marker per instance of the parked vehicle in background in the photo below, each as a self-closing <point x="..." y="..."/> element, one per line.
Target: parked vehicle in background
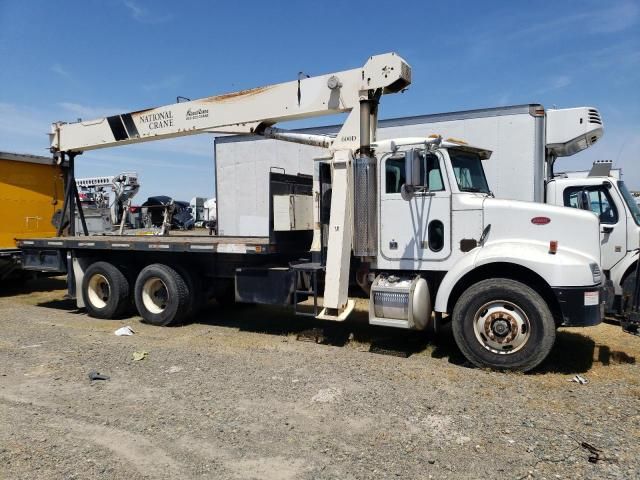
<point x="31" y="190"/>
<point x="156" y="209"/>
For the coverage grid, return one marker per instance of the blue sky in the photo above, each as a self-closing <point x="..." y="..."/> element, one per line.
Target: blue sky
<point x="91" y="58"/>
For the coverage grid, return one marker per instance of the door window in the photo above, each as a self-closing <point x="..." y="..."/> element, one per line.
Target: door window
<point x="395" y="174"/>
<point x="596" y="199"/>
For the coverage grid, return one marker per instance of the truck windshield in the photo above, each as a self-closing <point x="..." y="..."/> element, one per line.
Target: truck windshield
<point x="468" y="170"/>
<point x="631" y="201"/>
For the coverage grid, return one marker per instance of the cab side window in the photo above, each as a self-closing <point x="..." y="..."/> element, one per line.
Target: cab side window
<point x="395" y="174"/>
<point x="596" y="199"/>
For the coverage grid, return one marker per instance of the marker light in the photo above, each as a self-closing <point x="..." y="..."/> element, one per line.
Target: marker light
<point x="536" y="111"/>
<point x="553" y="247"/>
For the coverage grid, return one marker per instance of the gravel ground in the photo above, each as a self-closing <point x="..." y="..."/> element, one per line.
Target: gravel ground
<point x="235" y="395"/>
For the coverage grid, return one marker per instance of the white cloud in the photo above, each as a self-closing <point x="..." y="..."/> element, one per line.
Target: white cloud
<point x="560" y="81"/>
<point x="164" y="83"/>
<point x="60" y="70"/>
<point x="144" y="15"/>
<point x="504" y="99"/>
<point x="615" y="18"/>
<point x="612" y="18"/>
<point x="23" y="125"/>
<point x="88" y="112"/>
<point x="555" y="83"/>
<point x="598" y="19"/>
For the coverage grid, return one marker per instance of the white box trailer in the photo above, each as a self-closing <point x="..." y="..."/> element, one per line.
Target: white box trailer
<point x="515" y="134"/>
<point x="243" y="166"/>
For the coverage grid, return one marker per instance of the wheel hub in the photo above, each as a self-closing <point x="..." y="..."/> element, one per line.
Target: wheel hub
<point x="155" y="295"/>
<point x="501" y="327"/>
<point x="98" y="291"/>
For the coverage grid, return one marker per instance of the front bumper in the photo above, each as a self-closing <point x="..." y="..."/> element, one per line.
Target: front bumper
<point x="581" y="306"/>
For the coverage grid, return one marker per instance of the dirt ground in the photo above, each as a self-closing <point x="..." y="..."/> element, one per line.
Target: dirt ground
<point x="235" y="395"/>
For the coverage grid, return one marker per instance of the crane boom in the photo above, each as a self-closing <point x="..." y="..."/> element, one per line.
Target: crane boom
<point x="255" y="111"/>
<point x="245" y="112"/>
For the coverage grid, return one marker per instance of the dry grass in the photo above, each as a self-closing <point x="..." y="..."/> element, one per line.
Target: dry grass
<point x="597" y="352"/>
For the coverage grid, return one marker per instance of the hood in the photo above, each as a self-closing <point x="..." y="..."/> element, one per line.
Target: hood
<point x="574" y="230"/>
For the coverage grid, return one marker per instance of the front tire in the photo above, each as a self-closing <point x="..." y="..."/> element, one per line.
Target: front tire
<point x="105" y="291"/>
<point x="628" y="289"/>
<point x="503" y="324"/>
<point x="162" y="295"/>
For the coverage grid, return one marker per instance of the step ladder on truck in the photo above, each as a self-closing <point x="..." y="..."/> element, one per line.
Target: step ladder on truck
<point x="414" y="214"/>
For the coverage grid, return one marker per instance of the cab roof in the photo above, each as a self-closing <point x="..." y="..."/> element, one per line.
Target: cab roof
<point x="450" y="143"/>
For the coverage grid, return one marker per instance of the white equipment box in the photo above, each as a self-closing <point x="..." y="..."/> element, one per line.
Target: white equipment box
<point x="292" y="212"/>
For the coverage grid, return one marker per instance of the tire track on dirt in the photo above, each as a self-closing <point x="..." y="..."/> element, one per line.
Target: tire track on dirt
<point x="136" y="450"/>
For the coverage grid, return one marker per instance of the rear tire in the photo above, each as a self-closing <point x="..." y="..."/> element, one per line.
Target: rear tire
<point x="194" y="284"/>
<point x="105" y="291"/>
<point x="503" y="324"/>
<point x="162" y="295"/>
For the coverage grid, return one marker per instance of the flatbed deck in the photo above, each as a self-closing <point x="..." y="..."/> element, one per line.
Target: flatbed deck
<point x="176" y="242"/>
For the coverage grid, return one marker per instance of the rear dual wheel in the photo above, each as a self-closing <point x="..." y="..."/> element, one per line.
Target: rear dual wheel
<point x="162" y="295"/>
<point x="105" y="291"/>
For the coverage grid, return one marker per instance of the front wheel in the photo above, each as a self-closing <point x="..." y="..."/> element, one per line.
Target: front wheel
<point x="628" y="289"/>
<point x="503" y="324"/>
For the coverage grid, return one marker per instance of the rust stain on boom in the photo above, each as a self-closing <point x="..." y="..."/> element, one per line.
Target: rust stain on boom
<point x="242" y="93"/>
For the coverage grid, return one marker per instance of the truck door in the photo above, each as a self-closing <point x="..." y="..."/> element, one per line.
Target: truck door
<point x="418" y="229"/>
<point x="604" y="202"/>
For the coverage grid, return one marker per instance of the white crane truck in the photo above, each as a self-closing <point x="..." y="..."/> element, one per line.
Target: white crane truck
<point x="430" y="239"/>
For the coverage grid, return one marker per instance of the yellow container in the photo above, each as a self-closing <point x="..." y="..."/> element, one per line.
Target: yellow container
<point x="31" y="190"/>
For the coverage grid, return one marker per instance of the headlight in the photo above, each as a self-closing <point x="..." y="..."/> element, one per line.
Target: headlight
<point x="595" y="272"/>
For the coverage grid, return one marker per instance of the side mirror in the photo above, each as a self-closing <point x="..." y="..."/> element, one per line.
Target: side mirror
<point x="583" y="200"/>
<point x="412" y="173"/>
<point x="413" y="168"/>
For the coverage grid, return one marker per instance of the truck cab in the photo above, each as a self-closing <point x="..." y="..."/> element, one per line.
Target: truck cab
<point x="439" y="242"/>
<point x="602" y="192"/>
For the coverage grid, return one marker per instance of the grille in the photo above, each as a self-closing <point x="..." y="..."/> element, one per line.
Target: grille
<point x="594" y="116"/>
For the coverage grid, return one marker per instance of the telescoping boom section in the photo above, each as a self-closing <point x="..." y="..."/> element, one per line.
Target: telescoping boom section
<point x="244" y="112"/>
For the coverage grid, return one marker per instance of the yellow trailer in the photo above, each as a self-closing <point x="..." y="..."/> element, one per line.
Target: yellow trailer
<point x="31" y="190"/>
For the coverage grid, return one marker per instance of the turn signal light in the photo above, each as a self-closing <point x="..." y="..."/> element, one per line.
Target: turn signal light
<point x="553" y="247"/>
